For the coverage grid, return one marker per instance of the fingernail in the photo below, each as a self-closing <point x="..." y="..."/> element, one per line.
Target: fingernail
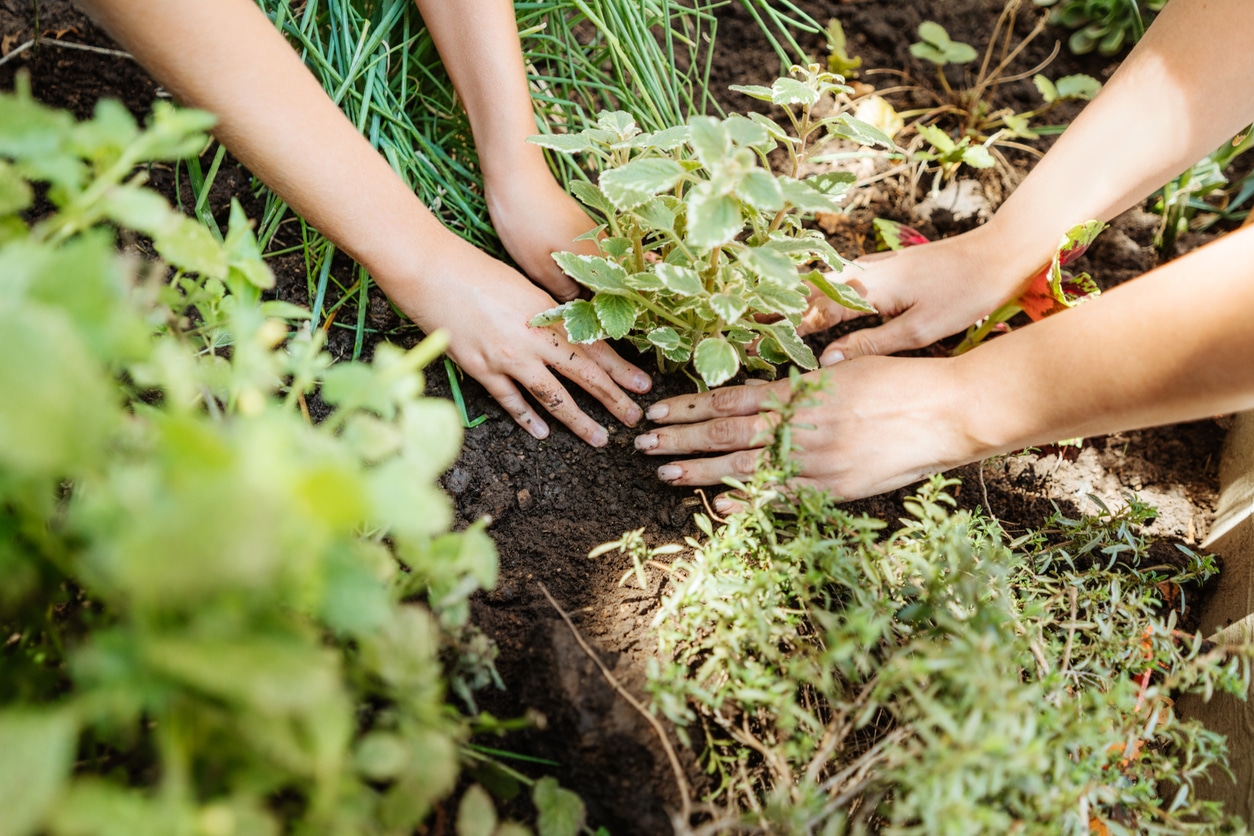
<point x="723" y="505"/>
<point x="669" y="472"/>
<point x="641" y="382"/>
<point x="599" y="438"/>
<point x="831" y="358"/>
<point x="657" y="411"/>
<point x="646" y="442"/>
<point x="633" y="416"/>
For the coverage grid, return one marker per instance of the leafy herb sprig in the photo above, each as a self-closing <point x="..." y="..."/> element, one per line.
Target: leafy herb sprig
<point x="700" y="242"/>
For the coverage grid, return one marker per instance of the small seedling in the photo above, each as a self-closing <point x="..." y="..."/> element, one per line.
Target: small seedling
<point x="700" y="242"/>
<point x="634" y="545"/>
<point x="1104" y="25"/>
<point x="839" y="61"/>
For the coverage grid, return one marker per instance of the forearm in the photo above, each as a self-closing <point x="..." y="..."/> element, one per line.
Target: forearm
<point x="478" y="41"/>
<point x="1175" y="345"/>
<point x="1186" y="88"/>
<point x="225" y="57"/>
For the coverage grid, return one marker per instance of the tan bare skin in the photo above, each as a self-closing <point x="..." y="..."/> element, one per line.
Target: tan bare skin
<point x="226" y="57"/>
<point x="1175" y="345"/>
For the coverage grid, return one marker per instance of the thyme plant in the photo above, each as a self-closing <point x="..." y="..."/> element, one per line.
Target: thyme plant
<point x="838" y="676"/>
<point x="700" y="242"/>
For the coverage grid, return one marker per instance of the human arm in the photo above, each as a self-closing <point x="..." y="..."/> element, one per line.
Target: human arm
<point x="227" y="58"/>
<point x="1175" y="345"/>
<point x="478" y="42"/>
<point x="1185" y="88"/>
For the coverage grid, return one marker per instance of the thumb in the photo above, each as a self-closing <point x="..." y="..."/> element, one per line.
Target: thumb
<point x="899" y="334"/>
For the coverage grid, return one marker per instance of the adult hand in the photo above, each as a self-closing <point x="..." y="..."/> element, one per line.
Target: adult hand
<point x="880" y="423"/>
<point x="485" y="308"/>
<point x="928" y="292"/>
<point x="535" y="219"/>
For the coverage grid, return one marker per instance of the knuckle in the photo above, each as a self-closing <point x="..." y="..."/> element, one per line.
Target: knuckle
<point x="722" y="432"/>
<point x="744" y="462"/>
<point x="726" y="400"/>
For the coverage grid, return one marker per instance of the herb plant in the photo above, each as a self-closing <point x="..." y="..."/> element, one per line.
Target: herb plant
<point x="220" y="617"/>
<point x="964" y="128"/>
<point x="1104" y="25"/>
<point x="1202" y="196"/>
<point x="699" y="240"/>
<point x="837" y="676"/>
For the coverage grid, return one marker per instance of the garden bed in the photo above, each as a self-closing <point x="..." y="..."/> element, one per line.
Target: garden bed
<point x="552" y="501"/>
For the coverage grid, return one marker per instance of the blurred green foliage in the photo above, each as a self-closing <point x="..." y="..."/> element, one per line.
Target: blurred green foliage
<point x="219" y="617"/>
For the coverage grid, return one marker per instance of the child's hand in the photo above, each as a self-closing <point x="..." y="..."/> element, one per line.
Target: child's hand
<point x="536" y="218"/>
<point x="485" y="306"/>
<point x="927" y="292"/>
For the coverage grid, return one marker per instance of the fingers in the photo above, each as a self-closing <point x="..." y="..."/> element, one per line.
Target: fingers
<point x="552" y="395"/>
<point x="515" y="405"/>
<point x="721" y="403"/>
<point x="625" y="374"/>
<point x="717" y="435"/>
<point x="738" y="465"/>
<point x="900" y="334"/>
<point x="578" y="365"/>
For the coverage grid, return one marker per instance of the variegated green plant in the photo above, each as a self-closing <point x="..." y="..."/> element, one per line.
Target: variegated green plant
<point x="699" y="240"/>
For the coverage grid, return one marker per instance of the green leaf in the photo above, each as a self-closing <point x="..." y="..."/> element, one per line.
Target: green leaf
<point x="562" y="143"/>
<point x="729" y="306"/>
<point x="746" y="132"/>
<point x="592" y="197"/>
<point x="476" y="815"/>
<point x="1079" y="87"/>
<point x="863" y="133"/>
<point x="616" y="313"/>
<point x="839" y="292"/>
<point x="774" y="298"/>
<point x="645" y="281"/>
<point x="639" y="180"/>
<point x="793" y="346"/>
<point x="665" y="337"/>
<point x="713" y="219"/>
<point x="683" y="281"/>
<point x="806" y="198"/>
<point x="769" y="263"/>
<point x="978" y="156"/>
<point x="550" y="317"/>
<point x="933" y="33"/>
<point x="716" y="360"/>
<point x="709" y="139"/>
<point x="667" y="139"/>
<point x="658" y="214"/>
<point x="772" y="127"/>
<point x="15" y="192"/>
<point x="593" y="272"/>
<point x="583" y="326"/>
<point x="186" y="244"/>
<point x="760" y="190"/>
<point x="271" y="675"/>
<point x="1046" y="88"/>
<point x="790" y="91"/>
<point x="559" y="811"/>
<point x="617" y="122"/>
<point x="39" y="748"/>
<point x="937" y="138"/>
<point x="831" y="183"/>
<point x="754" y="91"/>
<point x="380" y="756"/>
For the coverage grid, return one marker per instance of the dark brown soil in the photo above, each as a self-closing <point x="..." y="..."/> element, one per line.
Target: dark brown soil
<point x="552" y="501"/>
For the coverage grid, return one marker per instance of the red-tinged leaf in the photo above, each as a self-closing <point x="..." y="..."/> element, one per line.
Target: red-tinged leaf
<point x="896" y="236"/>
<point x="1077" y="240"/>
<point x="1037" y="301"/>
